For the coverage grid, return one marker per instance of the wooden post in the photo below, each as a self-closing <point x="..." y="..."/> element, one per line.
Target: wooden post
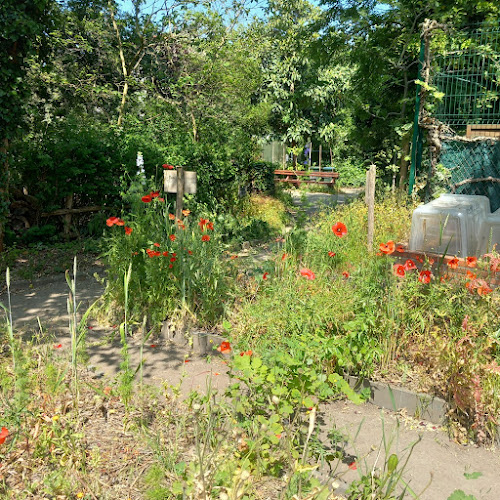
<point x="309" y="156"/>
<point x="319" y="157"/>
<point x="67" y="218"/>
<point x="370" y="201"/>
<point x="180" y="192"/>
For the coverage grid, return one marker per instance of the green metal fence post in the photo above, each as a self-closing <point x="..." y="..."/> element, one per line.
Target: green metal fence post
<point x="416" y="143"/>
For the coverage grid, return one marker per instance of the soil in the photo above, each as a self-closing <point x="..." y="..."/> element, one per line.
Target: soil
<point x="436" y="467"/>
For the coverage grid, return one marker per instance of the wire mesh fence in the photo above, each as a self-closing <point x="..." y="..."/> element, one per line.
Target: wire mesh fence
<point x="474" y="168"/>
<point x="465" y="104"/>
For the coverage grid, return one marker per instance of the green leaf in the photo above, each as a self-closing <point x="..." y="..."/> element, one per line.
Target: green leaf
<point x="472" y="475"/>
<point x="460" y="495"/>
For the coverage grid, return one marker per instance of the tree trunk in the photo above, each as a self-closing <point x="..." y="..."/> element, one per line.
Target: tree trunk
<point x="67" y="217"/>
<point x="4" y="190"/>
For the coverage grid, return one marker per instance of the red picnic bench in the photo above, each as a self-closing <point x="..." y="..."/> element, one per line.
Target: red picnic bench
<point x="299" y="177"/>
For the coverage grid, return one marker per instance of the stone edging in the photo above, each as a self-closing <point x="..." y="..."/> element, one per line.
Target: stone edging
<point x="419" y="405"/>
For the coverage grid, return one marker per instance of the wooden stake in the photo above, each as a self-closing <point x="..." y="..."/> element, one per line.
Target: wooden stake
<point x="371" y="175"/>
<point x="319" y="159"/>
<point x="180" y="192"/>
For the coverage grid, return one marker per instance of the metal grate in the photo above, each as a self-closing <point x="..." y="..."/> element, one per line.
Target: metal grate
<point x="467" y="71"/>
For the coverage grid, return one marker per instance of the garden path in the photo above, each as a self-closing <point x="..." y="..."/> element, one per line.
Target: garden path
<point x="171" y="366"/>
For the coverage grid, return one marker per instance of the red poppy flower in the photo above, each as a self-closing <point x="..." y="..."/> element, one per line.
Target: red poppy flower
<point x="453" y="263"/>
<point x="471" y="261"/>
<point x="307" y="273"/>
<point x="190" y="252"/>
<point x="120" y="222"/>
<point x="265" y="275"/>
<point x="202" y="223"/>
<point x="424" y="276"/>
<point x="246" y="353"/>
<point x="135" y="253"/>
<point x="3" y="435"/>
<point x="172" y="237"/>
<point x="353" y="466"/>
<point x="409" y="265"/>
<point x="165" y="254"/>
<point x="284" y="256"/>
<point x="331" y="254"/>
<point x="128" y="230"/>
<point x="400" y="248"/>
<point x="399" y="270"/>
<point x="210" y="225"/>
<point x="157" y="253"/>
<point x="388" y="247"/>
<point x="170" y="266"/>
<point x="205" y="237"/>
<point x="150" y="253"/>
<point x="174" y="254"/>
<point x="147" y="198"/>
<point x="58" y="346"/>
<point x="161" y="199"/>
<point x="471" y="275"/>
<point x="419" y="259"/>
<point x="173" y="259"/>
<point x="224" y="347"/>
<point x="339" y="229"/>
<point x="156" y="245"/>
<point x="112" y="221"/>
<point x="154" y="194"/>
<point x="171" y="216"/>
<point x="168" y="167"/>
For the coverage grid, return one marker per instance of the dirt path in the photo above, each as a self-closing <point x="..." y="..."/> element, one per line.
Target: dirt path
<point x="175" y="368"/>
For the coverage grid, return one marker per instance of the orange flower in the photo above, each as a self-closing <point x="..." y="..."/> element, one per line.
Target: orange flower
<point x="234" y="257"/>
<point x="339" y="229"/>
<point x="202" y="223"/>
<point x="400" y="248"/>
<point x="265" y="275"/>
<point x="399" y="270"/>
<point x="307" y="273"/>
<point x="409" y="265"/>
<point x="453" y="263"/>
<point x="3" y="435"/>
<point x="190" y="252"/>
<point x="171" y="216"/>
<point x="154" y="194"/>
<point x="172" y="237"/>
<point x="246" y="353"/>
<point x="112" y="221"/>
<point x="165" y="254"/>
<point x="353" y="466"/>
<point x="182" y="226"/>
<point x="471" y="275"/>
<point x="205" y="237"/>
<point x="147" y="198"/>
<point x="424" y="277"/>
<point x="471" y="261"/>
<point x="210" y="225"/>
<point x="186" y="212"/>
<point x="419" y="259"/>
<point x="156" y="245"/>
<point x="224" y="347"/>
<point x="58" y="346"/>
<point x="128" y="230"/>
<point x="284" y="256"/>
<point x="331" y="254"/>
<point x="388" y="247"/>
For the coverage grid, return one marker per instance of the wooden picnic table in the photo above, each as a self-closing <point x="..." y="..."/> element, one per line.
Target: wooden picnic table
<point x="299" y="177"/>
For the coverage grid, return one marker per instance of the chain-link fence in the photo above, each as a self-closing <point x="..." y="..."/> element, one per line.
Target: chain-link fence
<point x="461" y="106"/>
<point x="474" y="168"/>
